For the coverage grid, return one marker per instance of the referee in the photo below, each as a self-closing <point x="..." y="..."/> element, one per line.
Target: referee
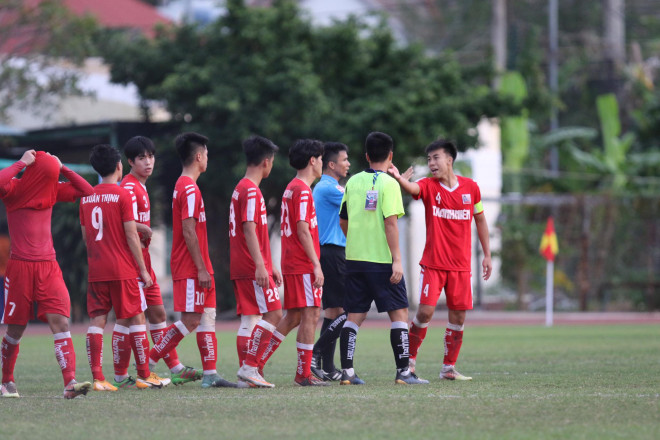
<point x="327" y="198"/>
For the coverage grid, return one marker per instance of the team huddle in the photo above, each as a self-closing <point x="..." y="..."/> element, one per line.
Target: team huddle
<point x="340" y="251"/>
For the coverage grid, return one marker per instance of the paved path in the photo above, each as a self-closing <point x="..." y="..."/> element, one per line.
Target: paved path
<point x="475" y="318"/>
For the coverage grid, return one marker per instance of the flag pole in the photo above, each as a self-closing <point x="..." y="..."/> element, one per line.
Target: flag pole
<point x="549" y="293"/>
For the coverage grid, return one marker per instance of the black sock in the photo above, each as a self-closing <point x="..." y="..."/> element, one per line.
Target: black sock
<point x="331" y="333"/>
<point x="400" y="347"/>
<point x="328" y="341"/>
<point x="347" y="344"/>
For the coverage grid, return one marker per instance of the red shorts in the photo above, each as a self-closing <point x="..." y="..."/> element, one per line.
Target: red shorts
<point x="253" y="300"/>
<point x="152" y="294"/>
<point x="189" y="297"/>
<point x="457" y="285"/>
<point x="27" y="282"/>
<point x="300" y="292"/>
<point x="124" y="296"/>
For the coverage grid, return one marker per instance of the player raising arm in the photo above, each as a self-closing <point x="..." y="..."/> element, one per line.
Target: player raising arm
<point x="450" y="203"/>
<point x="33" y="274"/>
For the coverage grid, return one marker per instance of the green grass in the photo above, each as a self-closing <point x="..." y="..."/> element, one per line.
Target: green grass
<point x="564" y="382"/>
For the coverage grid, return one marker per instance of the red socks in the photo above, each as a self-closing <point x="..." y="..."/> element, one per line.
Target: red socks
<point x="304" y="360"/>
<point x="140" y="346"/>
<point x="157" y="331"/>
<point x="173" y="335"/>
<point x="453" y="342"/>
<point x="208" y="348"/>
<point x="274" y="343"/>
<point x="416" y="335"/>
<point x="94" y="342"/>
<point x="259" y="342"/>
<point x="65" y="355"/>
<point x="9" y="352"/>
<point x="121" y="350"/>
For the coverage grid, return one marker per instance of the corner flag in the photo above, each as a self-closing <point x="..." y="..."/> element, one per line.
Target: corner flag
<point x="549" y="245"/>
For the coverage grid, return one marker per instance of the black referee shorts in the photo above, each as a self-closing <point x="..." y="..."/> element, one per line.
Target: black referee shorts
<point x="370" y="282"/>
<point x="333" y="265"/>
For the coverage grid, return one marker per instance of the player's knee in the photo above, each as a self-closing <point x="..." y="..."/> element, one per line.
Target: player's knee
<point x="424" y="316"/>
<point x="248" y="322"/>
<point x="207" y="318"/>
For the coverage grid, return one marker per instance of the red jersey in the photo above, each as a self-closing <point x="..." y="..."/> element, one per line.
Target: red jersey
<point x="449" y="213"/>
<point x="297" y="205"/>
<point x="247" y="205"/>
<point x="103" y="215"/>
<point x="135" y="187"/>
<point x="187" y="203"/>
<point x="29" y="202"/>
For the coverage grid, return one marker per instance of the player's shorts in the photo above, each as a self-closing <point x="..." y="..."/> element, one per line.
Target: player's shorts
<point x="189" y="297"/>
<point x="457" y="285"/>
<point x="27" y="282"/>
<point x="367" y="282"/>
<point x="253" y="300"/>
<point x="126" y="297"/>
<point x="299" y="291"/>
<point x="333" y="265"/>
<point x="152" y="294"/>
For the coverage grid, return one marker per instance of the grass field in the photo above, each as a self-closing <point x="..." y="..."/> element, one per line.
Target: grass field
<point x="587" y="382"/>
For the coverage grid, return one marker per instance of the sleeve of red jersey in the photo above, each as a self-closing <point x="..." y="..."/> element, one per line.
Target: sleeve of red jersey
<point x="80" y="214"/>
<point x="302" y="206"/>
<point x="128" y="206"/>
<point x="247" y="202"/>
<point x="75" y="188"/>
<point x="422" y="188"/>
<point x="190" y="203"/>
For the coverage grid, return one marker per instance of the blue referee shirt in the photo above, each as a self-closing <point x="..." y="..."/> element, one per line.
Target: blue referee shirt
<point x="327" y="199"/>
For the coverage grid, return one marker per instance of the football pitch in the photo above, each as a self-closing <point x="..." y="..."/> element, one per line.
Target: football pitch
<point x="592" y="382"/>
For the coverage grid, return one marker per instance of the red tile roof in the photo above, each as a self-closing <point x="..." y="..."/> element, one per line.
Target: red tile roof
<point x="120" y="13"/>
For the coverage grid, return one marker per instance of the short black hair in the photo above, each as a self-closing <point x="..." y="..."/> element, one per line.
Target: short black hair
<point x="187" y="144"/>
<point x="258" y="148"/>
<point x="331" y="151"/>
<point x="303" y="150"/>
<point x="138" y="145"/>
<point x="378" y="146"/>
<point x="104" y="159"/>
<point x="443" y="144"/>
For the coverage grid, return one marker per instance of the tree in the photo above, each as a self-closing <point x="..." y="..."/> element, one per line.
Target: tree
<point x="39" y="40"/>
<point x="269" y="71"/>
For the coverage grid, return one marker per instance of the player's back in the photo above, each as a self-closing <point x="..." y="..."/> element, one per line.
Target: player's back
<point x="297" y="205"/>
<point x="247" y="205"/>
<point x="103" y="215"/>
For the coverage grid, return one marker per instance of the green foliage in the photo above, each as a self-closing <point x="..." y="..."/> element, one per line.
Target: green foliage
<point x="515" y="130"/>
<point x="36" y="36"/>
<point x="268" y="71"/>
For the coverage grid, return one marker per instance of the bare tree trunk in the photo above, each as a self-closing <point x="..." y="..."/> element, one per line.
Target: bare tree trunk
<point x="498" y="37"/>
<point x="610" y="217"/>
<point x="614" y="40"/>
<point x="584" y="285"/>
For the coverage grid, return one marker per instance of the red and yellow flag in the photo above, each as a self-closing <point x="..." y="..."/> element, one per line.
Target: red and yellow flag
<point x="549" y="245"/>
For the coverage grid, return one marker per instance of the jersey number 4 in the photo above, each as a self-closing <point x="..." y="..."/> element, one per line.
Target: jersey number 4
<point x="97" y="222"/>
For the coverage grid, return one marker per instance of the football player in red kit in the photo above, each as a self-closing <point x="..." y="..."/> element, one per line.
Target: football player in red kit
<point x="450" y="203"/>
<point x="33" y="274"/>
<point x="301" y="268"/>
<point x="192" y="272"/>
<point x="117" y="274"/>
<point x="140" y="153"/>
<point x="251" y="269"/>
